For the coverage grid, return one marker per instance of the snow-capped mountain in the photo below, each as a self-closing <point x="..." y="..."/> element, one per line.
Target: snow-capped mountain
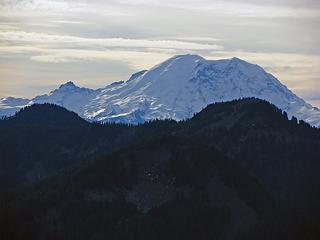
<point x="177" y="88"/>
<point x="10" y="105"/>
<point x="69" y="96"/>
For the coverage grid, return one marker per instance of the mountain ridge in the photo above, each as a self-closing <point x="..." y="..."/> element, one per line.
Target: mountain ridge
<point x="236" y="170"/>
<point x="176" y="89"/>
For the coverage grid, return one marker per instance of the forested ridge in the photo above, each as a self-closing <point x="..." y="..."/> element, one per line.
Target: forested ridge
<point x="236" y="170"/>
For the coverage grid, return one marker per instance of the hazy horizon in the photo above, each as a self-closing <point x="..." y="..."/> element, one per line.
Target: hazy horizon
<point x="45" y="43"/>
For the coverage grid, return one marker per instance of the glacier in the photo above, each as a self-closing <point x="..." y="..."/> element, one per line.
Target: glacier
<point x="175" y="89"/>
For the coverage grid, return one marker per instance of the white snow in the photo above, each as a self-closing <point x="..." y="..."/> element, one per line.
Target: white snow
<point x="10" y="105"/>
<point x="177" y="88"/>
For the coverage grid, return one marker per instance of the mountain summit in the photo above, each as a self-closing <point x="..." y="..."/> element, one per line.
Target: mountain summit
<point x="178" y="88"/>
<point x="68" y="85"/>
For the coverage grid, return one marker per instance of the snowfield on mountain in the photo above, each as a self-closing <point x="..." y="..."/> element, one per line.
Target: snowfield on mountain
<point x="175" y="89"/>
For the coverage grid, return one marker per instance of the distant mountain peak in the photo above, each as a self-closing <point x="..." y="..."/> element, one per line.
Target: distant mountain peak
<point x="240" y="62"/>
<point x="188" y="57"/>
<point x="176" y="89"/>
<point x="236" y="59"/>
<point x="185" y="59"/>
<point x="68" y="85"/>
<point x="136" y="75"/>
<point x="197" y="58"/>
<point x="15" y="100"/>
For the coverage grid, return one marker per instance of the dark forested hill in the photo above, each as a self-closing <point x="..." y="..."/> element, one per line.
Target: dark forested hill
<point x="46" y="115"/>
<point x="236" y="170"/>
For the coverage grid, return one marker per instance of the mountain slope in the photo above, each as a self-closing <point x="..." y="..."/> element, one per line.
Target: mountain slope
<point x="69" y="96"/>
<point x="236" y="170"/>
<point x="183" y="85"/>
<point x="164" y="188"/>
<point x="42" y="139"/>
<point x="250" y="131"/>
<point x="177" y="89"/>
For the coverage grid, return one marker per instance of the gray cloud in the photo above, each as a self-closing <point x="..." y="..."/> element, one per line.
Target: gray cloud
<point x="46" y="42"/>
<point x="291" y="3"/>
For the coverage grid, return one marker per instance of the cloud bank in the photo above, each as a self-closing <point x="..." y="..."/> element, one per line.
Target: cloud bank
<point x="46" y="42"/>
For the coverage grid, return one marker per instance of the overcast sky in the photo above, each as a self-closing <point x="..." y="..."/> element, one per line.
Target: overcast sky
<point x="44" y="43"/>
